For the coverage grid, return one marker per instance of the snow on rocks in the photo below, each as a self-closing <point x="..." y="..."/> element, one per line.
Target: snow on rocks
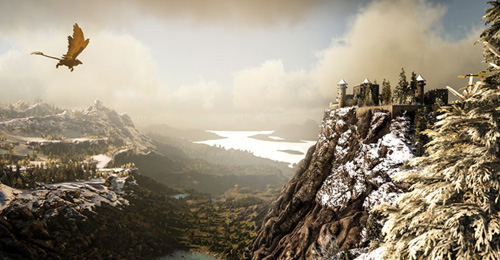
<point x="68" y="197"/>
<point x="363" y="169"/>
<point x="362" y="254"/>
<point x="373" y="255"/>
<point x="7" y="194"/>
<point x="385" y="194"/>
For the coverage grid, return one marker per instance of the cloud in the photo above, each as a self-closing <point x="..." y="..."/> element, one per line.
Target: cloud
<point x="200" y="97"/>
<point x="121" y="70"/>
<point x="117" y="69"/>
<point x="16" y="77"/>
<point x="269" y="87"/>
<point x="383" y="37"/>
<point x="387" y="35"/>
<point x="30" y="14"/>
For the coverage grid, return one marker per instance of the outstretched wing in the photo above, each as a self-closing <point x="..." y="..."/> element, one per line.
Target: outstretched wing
<point x="76" y="44"/>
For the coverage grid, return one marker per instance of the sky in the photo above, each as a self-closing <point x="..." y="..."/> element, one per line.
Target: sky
<point x="231" y="65"/>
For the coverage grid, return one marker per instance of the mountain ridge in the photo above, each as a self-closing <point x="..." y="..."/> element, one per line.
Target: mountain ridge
<point x="41" y="122"/>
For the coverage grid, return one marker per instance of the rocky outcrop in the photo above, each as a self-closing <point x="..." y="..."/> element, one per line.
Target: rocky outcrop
<point x="323" y="210"/>
<point x="88" y="221"/>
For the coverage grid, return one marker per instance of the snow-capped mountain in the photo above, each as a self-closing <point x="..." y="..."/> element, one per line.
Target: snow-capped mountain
<point x="24" y="124"/>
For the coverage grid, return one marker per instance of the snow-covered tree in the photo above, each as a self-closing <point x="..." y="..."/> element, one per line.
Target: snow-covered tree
<point x="452" y="211"/>
<point x="491" y="35"/>
<point x="453" y="208"/>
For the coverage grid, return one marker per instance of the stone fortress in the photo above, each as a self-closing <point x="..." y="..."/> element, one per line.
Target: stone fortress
<point x="360" y="92"/>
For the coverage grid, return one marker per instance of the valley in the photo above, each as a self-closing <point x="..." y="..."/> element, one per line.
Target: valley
<point x="250" y="130"/>
<point x="214" y="202"/>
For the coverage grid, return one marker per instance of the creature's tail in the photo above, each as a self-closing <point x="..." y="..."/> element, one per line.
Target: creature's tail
<point x="41" y="54"/>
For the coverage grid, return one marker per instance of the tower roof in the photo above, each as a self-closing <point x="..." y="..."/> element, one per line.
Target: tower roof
<point x="342" y="82"/>
<point x="420" y="78"/>
<point x="366" y="81"/>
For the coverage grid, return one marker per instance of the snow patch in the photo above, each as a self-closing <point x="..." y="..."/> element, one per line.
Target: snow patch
<point x="7" y="194"/>
<point x="399" y="151"/>
<point x="385" y="194"/>
<point x="102" y="160"/>
<point x="374" y="164"/>
<point x="373" y="255"/>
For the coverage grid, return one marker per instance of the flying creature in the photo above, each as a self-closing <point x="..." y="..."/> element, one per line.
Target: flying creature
<point x="76" y="45"/>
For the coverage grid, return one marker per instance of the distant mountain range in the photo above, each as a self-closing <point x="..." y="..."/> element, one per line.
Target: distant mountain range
<point x="22" y="126"/>
<point x="43" y="131"/>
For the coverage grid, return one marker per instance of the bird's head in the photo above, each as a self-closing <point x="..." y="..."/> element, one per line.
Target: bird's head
<point x="78" y="62"/>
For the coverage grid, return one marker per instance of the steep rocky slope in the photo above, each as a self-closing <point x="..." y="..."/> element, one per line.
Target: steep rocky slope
<point x="322" y="212"/>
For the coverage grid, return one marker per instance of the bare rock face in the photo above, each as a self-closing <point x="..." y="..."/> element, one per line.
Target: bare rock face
<point x="323" y="210"/>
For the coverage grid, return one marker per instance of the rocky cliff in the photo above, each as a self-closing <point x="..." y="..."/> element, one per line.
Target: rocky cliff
<point x="322" y="212"/>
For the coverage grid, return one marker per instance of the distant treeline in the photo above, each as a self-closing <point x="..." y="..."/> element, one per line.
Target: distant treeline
<point x="17" y="176"/>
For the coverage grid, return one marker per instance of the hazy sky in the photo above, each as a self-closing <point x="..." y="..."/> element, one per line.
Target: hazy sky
<point x="223" y="64"/>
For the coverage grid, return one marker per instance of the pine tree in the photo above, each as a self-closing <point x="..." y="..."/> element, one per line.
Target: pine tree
<point x="412" y="87"/>
<point x="386" y="92"/>
<point x="400" y="91"/>
<point x="491" y="35"/>
<point x="421" y="123"/>
<point x="452" y="211"/>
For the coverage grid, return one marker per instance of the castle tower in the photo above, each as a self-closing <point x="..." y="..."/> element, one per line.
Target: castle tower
<point x="342" y="92"/>
<point x="419" y="92"/>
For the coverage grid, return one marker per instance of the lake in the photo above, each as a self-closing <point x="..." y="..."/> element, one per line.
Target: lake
<point x="187" y="255"/>
<point x="290" y="152"/>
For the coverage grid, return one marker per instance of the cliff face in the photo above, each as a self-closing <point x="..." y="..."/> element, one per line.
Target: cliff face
<point x="323" y="210"/>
